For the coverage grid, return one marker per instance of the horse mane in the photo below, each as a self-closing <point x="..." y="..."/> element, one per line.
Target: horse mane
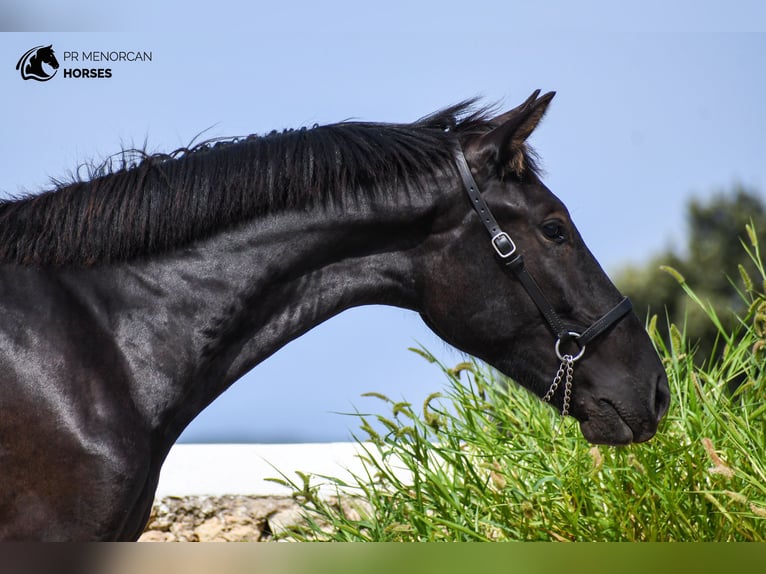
<point x="149" y="204"/>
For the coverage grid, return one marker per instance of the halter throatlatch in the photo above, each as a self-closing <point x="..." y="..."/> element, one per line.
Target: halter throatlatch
<point x="511" y="259"/>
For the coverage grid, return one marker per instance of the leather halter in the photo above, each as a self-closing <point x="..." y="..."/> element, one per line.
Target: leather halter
<point x="512" y="260"/>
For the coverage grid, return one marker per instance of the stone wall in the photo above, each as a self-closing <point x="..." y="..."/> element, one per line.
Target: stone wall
<point x="220" y="518"/>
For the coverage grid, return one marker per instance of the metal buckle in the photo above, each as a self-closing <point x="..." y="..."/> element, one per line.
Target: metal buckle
<point x="503" y="236"/>
<point x="574" y="335"/>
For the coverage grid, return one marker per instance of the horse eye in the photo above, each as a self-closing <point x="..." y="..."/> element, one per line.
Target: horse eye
<point x="554" y="230"/>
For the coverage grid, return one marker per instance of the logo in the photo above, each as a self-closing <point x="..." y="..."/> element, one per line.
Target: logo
<point x="36" y="64"/>
<point x="40" y="63"/>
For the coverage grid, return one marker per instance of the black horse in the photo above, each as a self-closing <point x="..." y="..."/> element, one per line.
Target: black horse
<point x="131" y="301"/>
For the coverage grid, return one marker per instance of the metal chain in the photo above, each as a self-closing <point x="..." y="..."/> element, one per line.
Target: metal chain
<point x="565" y="372"/>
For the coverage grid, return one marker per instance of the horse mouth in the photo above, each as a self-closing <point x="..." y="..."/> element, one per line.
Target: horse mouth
<point x="605" y="425"/>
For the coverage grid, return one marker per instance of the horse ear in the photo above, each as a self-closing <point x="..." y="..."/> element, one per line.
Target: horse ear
<point x="505" y="144"/>
<point x="502" y="118"/>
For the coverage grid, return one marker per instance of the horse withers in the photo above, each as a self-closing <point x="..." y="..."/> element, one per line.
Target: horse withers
<point x="130" y="301"/>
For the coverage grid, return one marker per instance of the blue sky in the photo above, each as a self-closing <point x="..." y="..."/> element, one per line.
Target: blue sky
<point x="652" y="107"/>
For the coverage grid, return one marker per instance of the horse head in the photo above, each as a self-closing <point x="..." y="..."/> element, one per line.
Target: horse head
<point x="529" y="297"/>
<point x="47" y="56"/>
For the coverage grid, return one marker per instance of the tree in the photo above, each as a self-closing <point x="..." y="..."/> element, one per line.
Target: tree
<point x="709" y="264"/>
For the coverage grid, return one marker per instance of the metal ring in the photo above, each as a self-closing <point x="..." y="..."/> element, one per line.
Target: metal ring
<point x="575" y="335"/>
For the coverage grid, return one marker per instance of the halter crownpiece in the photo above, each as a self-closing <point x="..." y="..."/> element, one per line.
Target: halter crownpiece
<point x="509" y="256"/>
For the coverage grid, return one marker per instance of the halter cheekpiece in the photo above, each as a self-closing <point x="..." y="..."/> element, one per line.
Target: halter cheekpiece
<point x="508" y="255"/>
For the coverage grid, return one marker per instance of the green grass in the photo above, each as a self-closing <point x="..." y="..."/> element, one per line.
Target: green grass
<point x="484" y="460"/>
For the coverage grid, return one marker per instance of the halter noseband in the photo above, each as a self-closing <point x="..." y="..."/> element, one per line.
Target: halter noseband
<point x="509" y="256"/>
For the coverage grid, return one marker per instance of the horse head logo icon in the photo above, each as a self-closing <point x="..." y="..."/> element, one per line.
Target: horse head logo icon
<point x="31" y="64"/>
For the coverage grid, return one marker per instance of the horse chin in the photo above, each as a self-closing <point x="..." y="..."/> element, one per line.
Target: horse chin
<point x="594" y="434"/>
<point x="607" y="427"/>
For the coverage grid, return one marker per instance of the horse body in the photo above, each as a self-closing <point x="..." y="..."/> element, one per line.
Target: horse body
<point x="106" y="356"/>
<point x="125" y="356"/>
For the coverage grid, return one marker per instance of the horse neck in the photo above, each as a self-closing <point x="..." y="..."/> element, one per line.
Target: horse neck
<point x="209" y="313"/>
<point x="35" y="63"/>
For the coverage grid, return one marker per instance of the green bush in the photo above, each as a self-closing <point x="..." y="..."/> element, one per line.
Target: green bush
<point x="486" y="461"/>
<point x="709" y="257"/>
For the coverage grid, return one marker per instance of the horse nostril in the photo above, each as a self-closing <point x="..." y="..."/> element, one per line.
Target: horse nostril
<point x="661" y="397"/>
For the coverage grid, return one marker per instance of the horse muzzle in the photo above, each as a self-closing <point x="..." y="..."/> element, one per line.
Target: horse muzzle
<point x="612" y="422"/>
